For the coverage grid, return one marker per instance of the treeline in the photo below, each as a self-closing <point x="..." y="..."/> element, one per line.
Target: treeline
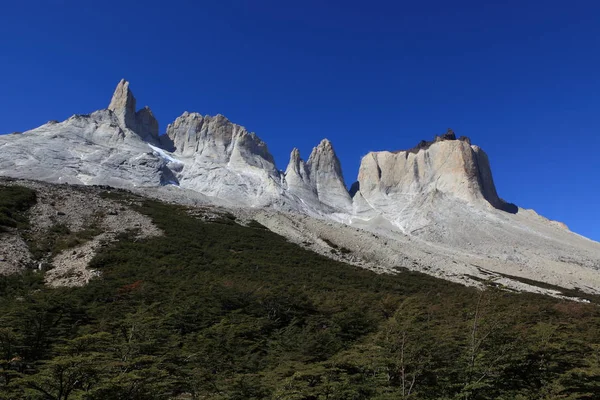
<point x="215" y="310"/>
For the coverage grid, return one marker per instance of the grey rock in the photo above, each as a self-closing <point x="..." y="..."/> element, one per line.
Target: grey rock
<point x="318" y="182"/>
<point x="440" y="194"/>
<point x="142" y="122"/>
<point x="123" y="105"/>
<point x="297" y="178"/>
<point x="224" y="160"/>
<point x="85" y="149"/>
<point x="326" y="176"/>
<point x="146" y="124"/>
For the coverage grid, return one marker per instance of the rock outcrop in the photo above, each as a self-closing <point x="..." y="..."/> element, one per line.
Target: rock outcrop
<point x="123" y="104"/>
<point x="297" y="178"/>
<point x="224" y="160"/>
<point x="440" y="193"/>
<point x="326" y="176"/>
<point x="441" y="190"/>
<point x="107" y="147"/>
<point x="142" y="122"/>
<point x="216" y="139"/>
<point x="398" y="184"/>
<point x="448" y="166"/>
<point x="320" y="178"/>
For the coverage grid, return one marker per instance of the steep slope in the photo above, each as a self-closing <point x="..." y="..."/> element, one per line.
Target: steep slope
<point x="224" y="160"/>
<point x="442" y="194"/>
<point x="399" y="184"/>
<point x="434" y="207"/>
<point x="214" y="307"/>
<point x="319" y="180"/>
<point x="106" y="147"/>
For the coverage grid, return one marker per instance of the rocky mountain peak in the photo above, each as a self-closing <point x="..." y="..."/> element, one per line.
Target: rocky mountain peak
<point x="297" y="164"/>
<point x="324" y="156"/>
<point x="216" y="137"/>
<point x="223" y="159"/>
<point x="184" y="132"/>
<point x="297" y="176"/>
<point x="142" y="122"/>
<point x="323" y="159"/>
<point x="123" y="104"/>
<point x="325" y="144"/>
<point x="445" y="169"/>
<point x="146" y="123"/>
<point x="295" y="155"/>
<point x="325" y="173"/>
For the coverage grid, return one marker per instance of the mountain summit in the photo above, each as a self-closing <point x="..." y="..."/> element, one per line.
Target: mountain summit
<point x="398" y="184"/>
<point x="220" y="159"/>
<point x="141" y="122"/>
<point x="319" y="180"/>
<point x="440" y="193"/>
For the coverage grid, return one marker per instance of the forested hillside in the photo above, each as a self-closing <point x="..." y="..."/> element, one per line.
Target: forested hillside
<point x="217" y="310"/>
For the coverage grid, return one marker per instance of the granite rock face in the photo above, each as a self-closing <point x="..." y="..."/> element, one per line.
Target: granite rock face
<point x="326" y="176"/>
<point x="402" y="185"/>
<point x="440" y="193"/>
<point x="123" y="104"/>
<point x="142" y="122"/>
<point x="319" y="179"/>
<point x="446" y="166"/>
<point x="223" y="160"/>
<point x="106" y="147"/>
<point x="297" y="178"/>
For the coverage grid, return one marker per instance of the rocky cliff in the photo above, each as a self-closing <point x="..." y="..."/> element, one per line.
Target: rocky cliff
<point x="223" y="160"/>
<point x="108" y="147"/>
<point x="142" y="122"/>
<point x="319" y="179"/>
<point x="439" y="194"/>
<point x="397" y="184"/>
<point x="121" y="146"/>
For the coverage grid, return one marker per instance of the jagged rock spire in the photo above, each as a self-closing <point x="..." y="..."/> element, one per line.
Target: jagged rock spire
<point x="142" y="122"/>
<point x="324" y="159"/>
<point x="296" y="168"/>
<point x="297" y="178"/>
<point x="123" y="104"/>
<point x="326" y="175"/>
<point x="320" y="177"/>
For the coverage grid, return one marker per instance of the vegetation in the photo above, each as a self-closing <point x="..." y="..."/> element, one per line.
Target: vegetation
<point x="14" y="201"/>
<point x="216" y="310"/>
<point x="59" y="237"/>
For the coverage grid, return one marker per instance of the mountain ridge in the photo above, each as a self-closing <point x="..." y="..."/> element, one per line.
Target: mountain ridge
<point x="187" y="136"/>
<point x="440" y="194"/>
<point x="304" y="185"/>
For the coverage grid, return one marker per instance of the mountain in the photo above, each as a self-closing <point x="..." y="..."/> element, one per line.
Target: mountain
<point x="168" y="302"/>
<point x="432" y="208"/>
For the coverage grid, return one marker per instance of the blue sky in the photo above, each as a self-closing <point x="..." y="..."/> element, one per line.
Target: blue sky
<point x="521" y="78"/>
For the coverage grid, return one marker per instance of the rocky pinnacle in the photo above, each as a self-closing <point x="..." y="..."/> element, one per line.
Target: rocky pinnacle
<point x="123" y="105"/>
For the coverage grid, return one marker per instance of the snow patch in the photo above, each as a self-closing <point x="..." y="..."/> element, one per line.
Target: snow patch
<point x="163" y="154"/>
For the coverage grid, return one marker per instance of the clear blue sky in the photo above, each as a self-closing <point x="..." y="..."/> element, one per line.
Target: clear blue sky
<point x="521" y="78"/>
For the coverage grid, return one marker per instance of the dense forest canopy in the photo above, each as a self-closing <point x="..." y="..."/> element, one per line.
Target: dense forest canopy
<point x="217" y="310"/>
